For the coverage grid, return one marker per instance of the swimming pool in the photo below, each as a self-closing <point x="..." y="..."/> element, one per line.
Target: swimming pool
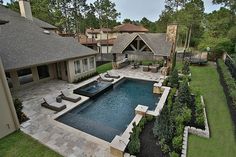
<point x="109" y="114"/>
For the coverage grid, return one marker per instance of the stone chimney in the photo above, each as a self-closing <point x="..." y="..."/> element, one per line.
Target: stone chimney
<point x="171" y="33"/>
<point x="25" y="9"/>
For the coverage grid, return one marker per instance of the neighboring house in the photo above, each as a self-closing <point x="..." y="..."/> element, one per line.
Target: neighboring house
<point x="31" y="53"/>
<point x="103" y="39"/>
<point x="143" y="46"/>
<point x="8" y="118"/>
<point x="129" y="28"/>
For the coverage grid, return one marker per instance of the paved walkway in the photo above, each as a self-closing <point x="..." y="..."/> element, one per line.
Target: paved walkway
<point x="65" y="140"/>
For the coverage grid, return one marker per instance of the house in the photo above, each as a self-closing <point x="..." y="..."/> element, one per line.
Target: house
<point x="9" y="121"/>
<point x="147" y="46"/>
<point x="32" y="53"/>
<point x="103" y="39"/>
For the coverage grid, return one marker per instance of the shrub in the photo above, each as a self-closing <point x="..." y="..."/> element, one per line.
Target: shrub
<point x="185" y="68"/>
<point x="174" y="78"/>
<point x="164" y="126"/>
<point x="184" y="95"/>
<point x="165" y="148"/>
<point x="177" y="143"/>
<point x="179" y="129"/>
<point x="174" y="154"/>
<point x="149" y="118"/>
<point x="142" y="122"/>
<point x="187" y="115"/>
<point x="134" y="144"/>
<point x="199" y="115"/>
<point x="18" y="106"/>
<point x="85" y="77"/>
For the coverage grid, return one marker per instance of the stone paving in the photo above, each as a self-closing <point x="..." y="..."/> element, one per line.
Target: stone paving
<point x="65" y="140"/>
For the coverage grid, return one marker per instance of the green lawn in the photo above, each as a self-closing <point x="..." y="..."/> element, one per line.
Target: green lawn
<point x="19" y="144"/>
<point x="221" y="142"/>
<point x="103" y="68"/>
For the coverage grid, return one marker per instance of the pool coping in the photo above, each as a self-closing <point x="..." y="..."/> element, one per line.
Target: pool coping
<point x="119" y="143"/>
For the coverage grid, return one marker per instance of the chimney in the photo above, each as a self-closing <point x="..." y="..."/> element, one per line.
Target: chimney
<point x="171" y="33"/>
<point x="25" y="9"/>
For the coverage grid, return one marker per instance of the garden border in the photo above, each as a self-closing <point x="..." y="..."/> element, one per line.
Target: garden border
<point x="199" y="132"/>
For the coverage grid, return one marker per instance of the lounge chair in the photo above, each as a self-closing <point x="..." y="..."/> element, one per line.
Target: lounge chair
<point x="102" y="78"/>
<point x="66" y="95"/>
<point x="50" y="103"/>
<point x="107" y="75"/>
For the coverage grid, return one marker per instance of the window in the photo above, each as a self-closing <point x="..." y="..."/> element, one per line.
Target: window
<point x="77" y="67"/>
<point x="85" y="64"/>
<point x="91" y="62"/>
<point x="25" y="76"/>
<point x="9" y="81"/>
<point x="43" y="71"/>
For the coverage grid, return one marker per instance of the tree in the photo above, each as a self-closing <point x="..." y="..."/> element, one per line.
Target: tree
<point x="228" y="3"/>
<point x="184" y="94"/>
<point x="106" y="12"/>
<point x="127" y="21"/>
<point x="174" y="78"/>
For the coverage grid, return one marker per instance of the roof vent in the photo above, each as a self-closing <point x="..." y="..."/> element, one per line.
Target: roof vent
<point x="46" y="32"/>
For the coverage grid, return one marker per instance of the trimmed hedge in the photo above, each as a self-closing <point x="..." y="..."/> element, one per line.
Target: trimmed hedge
<point x="229" y="81"/>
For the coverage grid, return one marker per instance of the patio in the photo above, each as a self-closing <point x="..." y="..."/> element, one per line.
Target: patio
<point x="62" y="139"/>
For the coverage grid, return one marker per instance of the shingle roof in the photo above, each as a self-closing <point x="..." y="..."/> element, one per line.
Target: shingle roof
<point x="43" y="24"/>
<point x="23" y="43"/>
<point x="155" y="41"/>
<point x="128" y="27"/>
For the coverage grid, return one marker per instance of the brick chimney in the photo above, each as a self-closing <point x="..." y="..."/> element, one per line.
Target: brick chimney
<point x="25" y="9"/>
<point x="171" y="33"/>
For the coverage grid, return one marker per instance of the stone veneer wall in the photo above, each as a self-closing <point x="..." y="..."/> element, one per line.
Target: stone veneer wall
<point x="199" y="132"/>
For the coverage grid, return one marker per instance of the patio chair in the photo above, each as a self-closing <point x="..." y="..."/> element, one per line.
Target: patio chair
<point x="66" y="95"/>
<point x="102" y="78"/>
<point x="50" y="103"/>
<point x="107" y="75"/>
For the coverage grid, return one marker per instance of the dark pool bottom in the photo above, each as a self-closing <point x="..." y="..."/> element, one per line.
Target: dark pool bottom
<point x="109" y="114"/>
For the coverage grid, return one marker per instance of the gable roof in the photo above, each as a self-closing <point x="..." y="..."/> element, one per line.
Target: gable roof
<point x="128" y="27"/>
<point x="155" y="41"/>
<point x="23" y="43"/>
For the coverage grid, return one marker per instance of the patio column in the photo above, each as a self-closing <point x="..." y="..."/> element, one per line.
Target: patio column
<point x="114" y="65"/>
<point x="14" y="78"/>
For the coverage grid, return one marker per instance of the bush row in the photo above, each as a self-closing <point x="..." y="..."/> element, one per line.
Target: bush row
<point x="181" y="109"/>
<point x="134" y="144"/>
<point x="229" y="81"/>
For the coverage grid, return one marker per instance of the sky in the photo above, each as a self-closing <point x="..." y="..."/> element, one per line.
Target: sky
<point x="151" y="9"/>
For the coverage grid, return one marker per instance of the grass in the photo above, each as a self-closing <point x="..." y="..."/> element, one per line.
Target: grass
<point x="19" y="144"/>
<point x="104" y="68"/>
<point x="222" y="140"/>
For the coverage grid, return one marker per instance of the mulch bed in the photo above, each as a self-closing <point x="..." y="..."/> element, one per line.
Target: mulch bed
<point x="149" y="147"/>
<point x="228" y="98"/>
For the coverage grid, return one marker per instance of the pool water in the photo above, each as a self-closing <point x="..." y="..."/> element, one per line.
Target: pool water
<point x="109" y="114"/>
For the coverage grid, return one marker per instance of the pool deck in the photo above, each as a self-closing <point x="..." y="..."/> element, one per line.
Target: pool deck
<point x="64" y="139"/>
